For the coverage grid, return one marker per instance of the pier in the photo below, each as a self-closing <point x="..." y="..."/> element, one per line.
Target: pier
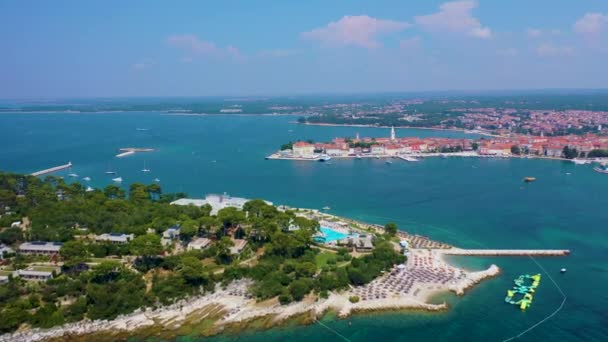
<point x="52" y="169"/>
<point x="408" y="159"/>
<point x="127" y="151"/>
<point x="507" y="252"/>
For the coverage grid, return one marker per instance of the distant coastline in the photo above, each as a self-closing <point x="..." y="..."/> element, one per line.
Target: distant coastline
<point x="407" y="127"/>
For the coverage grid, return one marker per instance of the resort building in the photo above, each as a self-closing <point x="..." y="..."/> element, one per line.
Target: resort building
<point x="33" y="275"/>
<point x="198" y="244"/>
<point x="303" y="149"/>
<point x="217" y="202"/>
<point x="238" y="247"/>
<point x="40" y="248"/>
<point x="5" y="250"/>
<point x="361" y="243"/>
<point x="115" y="238"/>
<point x="3" y="279"/>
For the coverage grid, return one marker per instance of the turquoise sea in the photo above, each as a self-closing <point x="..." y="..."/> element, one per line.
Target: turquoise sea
<point x="467" y="202"/>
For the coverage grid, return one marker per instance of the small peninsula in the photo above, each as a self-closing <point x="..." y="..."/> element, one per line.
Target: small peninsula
<point x="111" y="264"/>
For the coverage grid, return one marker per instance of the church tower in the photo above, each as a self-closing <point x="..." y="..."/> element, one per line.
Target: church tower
<point x="393" y="138"/>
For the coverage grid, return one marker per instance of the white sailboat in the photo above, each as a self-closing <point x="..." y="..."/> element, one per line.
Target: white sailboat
<point x="73" y="175"/>
<point x="109" y="171"/>
<point x="89" y="189"/>
<point x="117" y="179"/>
<point x="86" y="179"/>
<point x="145" y="169"/>
<point x="157" y="180"/>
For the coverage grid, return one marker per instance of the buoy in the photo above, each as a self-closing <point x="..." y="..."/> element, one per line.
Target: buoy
<point x="563" y="270"/>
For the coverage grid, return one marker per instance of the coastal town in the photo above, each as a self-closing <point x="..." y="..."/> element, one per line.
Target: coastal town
<point x="508" y="118"/>
<point x="580" y="148"/>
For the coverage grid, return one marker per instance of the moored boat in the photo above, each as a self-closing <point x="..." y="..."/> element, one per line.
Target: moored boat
<point x="117" y="179"/>
<point x="529" y="179"/>
<point x="600" y="169"/>
<point x="324" y="158"/>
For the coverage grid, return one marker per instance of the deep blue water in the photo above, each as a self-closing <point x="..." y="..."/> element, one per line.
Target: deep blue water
<point x="466" y="202"/>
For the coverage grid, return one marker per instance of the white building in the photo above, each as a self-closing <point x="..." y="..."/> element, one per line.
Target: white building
<point x="4" y="250"/>
<point x="33" y="275"/>
<point x="378" y="149"/>
<point x="172" y="233"/>
<point x="115" y="238"/>
<point x="303" y="149"/>
<point x="199" y="244"/>
<point x="3" y="279"/>
<point x="217" y="202"/>
<point x="40" y="247"/>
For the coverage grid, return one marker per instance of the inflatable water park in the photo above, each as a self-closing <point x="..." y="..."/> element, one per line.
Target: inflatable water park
<point x="522" y="293"/>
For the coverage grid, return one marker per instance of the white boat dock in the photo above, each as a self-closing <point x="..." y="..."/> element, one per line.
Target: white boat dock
<point x="506" y="252"/>
<point x="52" y="169"/>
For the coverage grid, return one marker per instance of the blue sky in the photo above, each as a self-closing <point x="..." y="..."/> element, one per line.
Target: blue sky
<point x="206" y="48"/>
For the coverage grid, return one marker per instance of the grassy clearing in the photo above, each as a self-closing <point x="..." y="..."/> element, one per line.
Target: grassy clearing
<point x="322" y="258"/>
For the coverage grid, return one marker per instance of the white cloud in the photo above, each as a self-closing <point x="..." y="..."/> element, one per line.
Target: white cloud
<point x="143" y="65"/>
<point x="277" y="53"/>
<point x="537" y="33"/>
<point x="197" y="47"/>
<point x="591" y="24"/>
<point x="361" y="31"/>
<point x="455" y="17"/>
<point x="550" y="50"/>
<point x="534" y="33"/>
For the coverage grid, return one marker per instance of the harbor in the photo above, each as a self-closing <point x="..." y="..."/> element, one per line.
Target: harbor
<point x="52" y="169"/>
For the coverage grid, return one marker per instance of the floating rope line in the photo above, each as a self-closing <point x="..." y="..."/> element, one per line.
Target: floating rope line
<point x="333" y="331"/>
<point x="559" y="308"/>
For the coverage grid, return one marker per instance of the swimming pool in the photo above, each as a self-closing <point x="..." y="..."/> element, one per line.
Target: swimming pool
<point x="330" y="235"/>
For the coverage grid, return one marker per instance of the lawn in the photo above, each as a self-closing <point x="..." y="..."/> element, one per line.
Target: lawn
<point x="322" y="258"/>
